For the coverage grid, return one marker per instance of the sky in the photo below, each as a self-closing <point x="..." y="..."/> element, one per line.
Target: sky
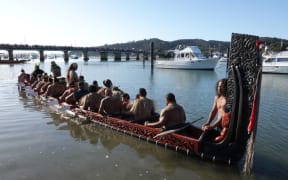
<point x="100" y="22"/>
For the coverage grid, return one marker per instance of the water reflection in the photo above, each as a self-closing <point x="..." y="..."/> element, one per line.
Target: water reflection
<point x="167" y="160"/>
<point x="275" y="82"/>
<point x="57" y="121"/>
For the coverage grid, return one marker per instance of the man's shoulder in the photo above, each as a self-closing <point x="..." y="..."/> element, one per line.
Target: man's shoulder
<point x="179" y="107"/>
<point x="147" y="100"/>
<point x="166" y="108"/>
<point x="173" y="106"/>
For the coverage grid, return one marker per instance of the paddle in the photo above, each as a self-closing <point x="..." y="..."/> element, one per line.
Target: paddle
<point x="177" y="129"/>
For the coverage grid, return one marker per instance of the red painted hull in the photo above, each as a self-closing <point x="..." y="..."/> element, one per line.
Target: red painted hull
<point x="187" y="144"/>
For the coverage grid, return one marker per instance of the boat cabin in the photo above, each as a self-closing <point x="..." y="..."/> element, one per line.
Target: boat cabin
<point x="280" y="57"/>
<point x="189" y="53"/>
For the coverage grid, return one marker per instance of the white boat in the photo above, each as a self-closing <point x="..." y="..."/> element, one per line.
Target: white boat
<point x="223" y="59"/>
<point x="277" y="63"/>
<point x="73" y="56"/>
<point x="188" y="58"/>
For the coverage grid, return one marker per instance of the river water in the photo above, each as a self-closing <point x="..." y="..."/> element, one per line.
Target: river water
<point x="36" y="143"/>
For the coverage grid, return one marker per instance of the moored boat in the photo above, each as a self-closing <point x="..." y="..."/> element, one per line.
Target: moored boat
<point x="73" y="56"/>
<point x="276" y="63"/>
<point x="188" y="58"/>
<point x="13" y="61"/>
<point x="223" y="59"/>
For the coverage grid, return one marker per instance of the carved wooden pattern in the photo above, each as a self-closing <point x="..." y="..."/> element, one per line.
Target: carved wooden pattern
<point x="244" y="53"/>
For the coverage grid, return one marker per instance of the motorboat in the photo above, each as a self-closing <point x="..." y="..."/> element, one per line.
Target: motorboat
<point x="188" y="58"/>
<point x="73" y="56"/>
<point x="276" y="63"/>
<point x="223" y="59"/>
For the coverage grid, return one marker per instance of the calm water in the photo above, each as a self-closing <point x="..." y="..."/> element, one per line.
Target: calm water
<point x="39" y="144"/>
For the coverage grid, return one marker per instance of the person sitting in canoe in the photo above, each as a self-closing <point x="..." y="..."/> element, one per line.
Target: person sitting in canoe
<point x="95" y="83"/>
<point x="117" y="91"/>
<point x="143" y="107"/>
<point x="126" y="105"/>
<point x="80" y="92"/>
<point x="170" y="116"/>
<point x="33" y="79"/>
<point x="218" y="108"/>
<point x="22" y="76"/>
<point x="111" y="104"/>
<point x="55" y="69"/>
<point x="56" y="89"/>
<point x="82" y="79"/>
<point x="36" y="81"/>
<point x="48" y="82"/>
<point x="67" y="96"/>
<point x="37" y="70"/>
<point x="107" y="86"/>
<point x="92" y="100"/>
<point x="43" y="79"/>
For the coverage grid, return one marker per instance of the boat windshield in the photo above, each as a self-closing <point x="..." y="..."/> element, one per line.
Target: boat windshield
<point x="282" y="59"/>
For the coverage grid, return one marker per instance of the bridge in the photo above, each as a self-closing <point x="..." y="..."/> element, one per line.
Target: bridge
<point x="103" y="51"/>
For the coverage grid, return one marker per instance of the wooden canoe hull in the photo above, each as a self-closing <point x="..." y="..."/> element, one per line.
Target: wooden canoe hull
<point x="244" y="70"/>
<point x="185" y="141"/>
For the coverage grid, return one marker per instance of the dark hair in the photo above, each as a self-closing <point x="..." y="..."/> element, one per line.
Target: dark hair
<point x="126" y="95"/>
<point x="142" y="92"/>
<point x="223" y="88"/>
<point x="92" y="88"/>
<point x="107" y="83"/>
<point x="95" y="82"/>
<point x="81" y="77"/>
<point x="171" y="97"/>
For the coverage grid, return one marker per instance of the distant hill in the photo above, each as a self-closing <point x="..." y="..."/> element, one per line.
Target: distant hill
<point x="207" y="47"/>
<point x="275" y="44"/>
<point x="161" y="47"/>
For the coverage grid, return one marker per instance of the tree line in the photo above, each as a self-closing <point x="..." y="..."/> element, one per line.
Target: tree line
<point x="162" y="47"/>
